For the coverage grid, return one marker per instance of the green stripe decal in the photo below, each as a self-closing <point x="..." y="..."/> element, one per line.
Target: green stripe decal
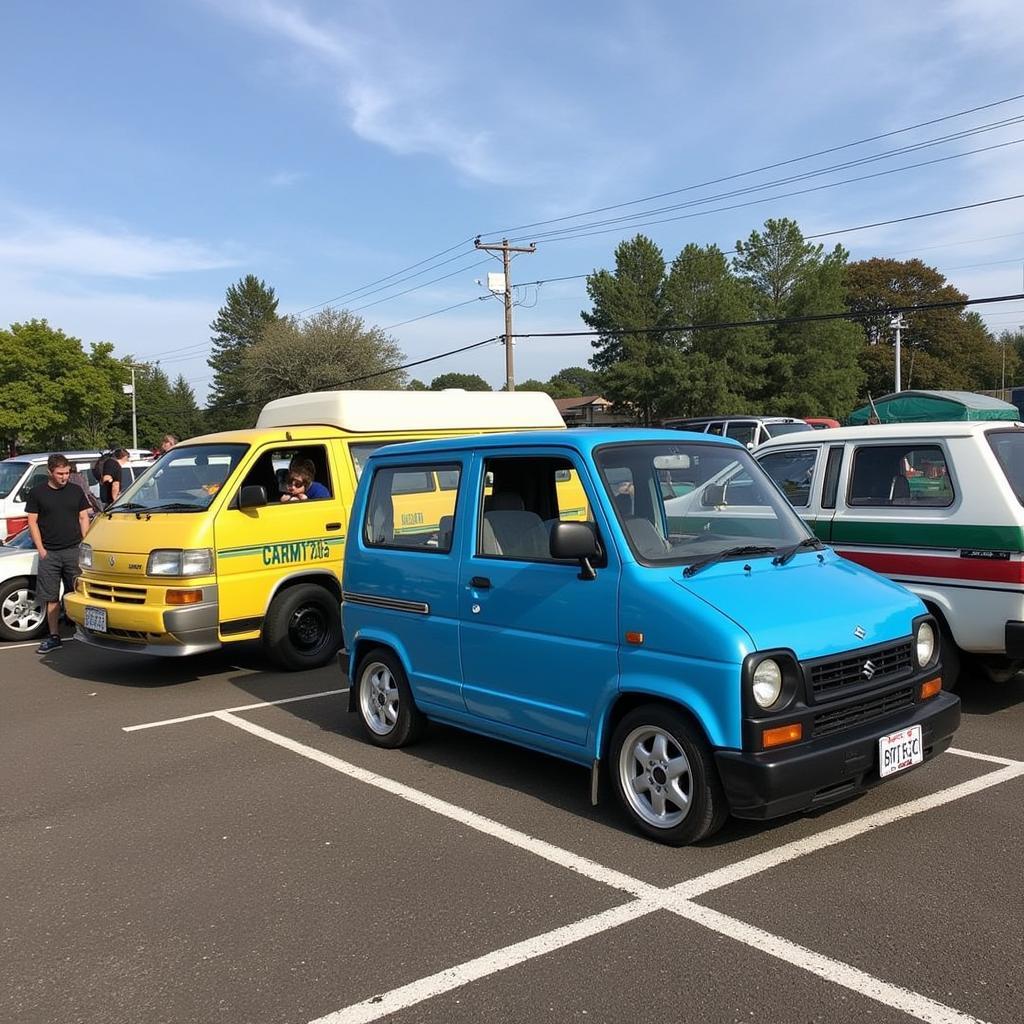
<point x="258" y="549"/>
<point x="922" y="535"/>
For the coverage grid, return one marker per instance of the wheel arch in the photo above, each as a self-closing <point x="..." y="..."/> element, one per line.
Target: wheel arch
<point x="364" y="642"/>
<point x="633" y="699"/>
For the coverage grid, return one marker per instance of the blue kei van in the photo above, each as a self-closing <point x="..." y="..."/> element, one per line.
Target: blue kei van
<point x="642" y="599"/>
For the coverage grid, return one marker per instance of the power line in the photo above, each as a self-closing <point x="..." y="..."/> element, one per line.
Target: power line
<point x="758" y="170"/>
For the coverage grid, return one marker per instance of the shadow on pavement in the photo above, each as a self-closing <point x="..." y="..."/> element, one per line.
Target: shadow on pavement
<point x="980" y="696"/>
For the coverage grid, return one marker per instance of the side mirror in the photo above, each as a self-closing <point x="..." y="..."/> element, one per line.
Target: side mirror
<point x="252" y="496"/>
<point x="575" y="541"/>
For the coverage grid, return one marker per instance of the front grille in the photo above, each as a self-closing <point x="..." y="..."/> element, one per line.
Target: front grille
<point x="837" y="676"/>
<point x="839" y="719"/>
<point x="130" y="635"/>
<point x="114" y="593"/>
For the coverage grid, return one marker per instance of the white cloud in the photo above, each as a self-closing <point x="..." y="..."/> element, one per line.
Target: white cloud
<point x="30" y="240"/>
<point x="285" y="179"/>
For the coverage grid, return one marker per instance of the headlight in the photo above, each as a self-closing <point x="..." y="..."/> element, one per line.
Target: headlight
<point x="767" y="683"/>
<point x="925" y="644"/>
<point x="85" y="556"/>
<point x="175" y="562"/>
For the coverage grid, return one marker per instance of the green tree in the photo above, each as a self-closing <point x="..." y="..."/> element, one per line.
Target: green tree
<point x="466" y="381"/>
<point x="250" y="307"/>
<point x="947" y="348"/>
<point x="639" y="368"/>
<point x="332" y="349"/>
<point x="49" y="390"/>
<point x="185" y="418"/>
<point x="577" y="380"/>
<point x="812" y="368"/>
<point x="416" y="385"/>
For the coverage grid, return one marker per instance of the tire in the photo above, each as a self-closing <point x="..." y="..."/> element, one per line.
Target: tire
<point x="950" y="654"/>
<point x="387" y="710"/>
<point x="665" y="776"/>
<point x="302" y="630"/>
<point x="21" y="615"/>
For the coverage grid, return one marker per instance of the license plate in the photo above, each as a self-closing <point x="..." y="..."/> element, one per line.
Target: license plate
<point x="96" y="619"/>
<point x="900" y="750"/>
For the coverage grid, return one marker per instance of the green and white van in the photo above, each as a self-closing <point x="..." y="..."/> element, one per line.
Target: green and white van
<point x="938" y="507"/>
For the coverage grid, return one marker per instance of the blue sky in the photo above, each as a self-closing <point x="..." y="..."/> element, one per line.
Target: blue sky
<point x="153" y="153"/>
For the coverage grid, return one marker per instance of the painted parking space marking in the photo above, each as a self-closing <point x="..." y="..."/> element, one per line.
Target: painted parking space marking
<point x="34" y="643"/>
<point x="241" y="707"/>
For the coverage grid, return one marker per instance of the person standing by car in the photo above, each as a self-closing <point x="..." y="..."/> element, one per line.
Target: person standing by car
<point x="110" y="478"/>
<point x="58" y="518"/>
<point x="166" y="444"/>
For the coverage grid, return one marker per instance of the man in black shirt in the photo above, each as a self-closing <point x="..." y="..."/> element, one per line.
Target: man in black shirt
<point x="110" y="478"/>
<point x="58" y="518"/>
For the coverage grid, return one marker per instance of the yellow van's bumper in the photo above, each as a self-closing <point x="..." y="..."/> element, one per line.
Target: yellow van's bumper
<point x="152" y="627"/>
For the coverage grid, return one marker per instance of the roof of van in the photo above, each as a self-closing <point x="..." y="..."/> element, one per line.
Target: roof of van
<point x="888" y="432"/>
<point x="583" y="439"/>
<point x="377" y="412"/>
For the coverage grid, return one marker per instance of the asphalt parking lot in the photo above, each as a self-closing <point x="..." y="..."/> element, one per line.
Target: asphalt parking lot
<point x="178" y="847"/>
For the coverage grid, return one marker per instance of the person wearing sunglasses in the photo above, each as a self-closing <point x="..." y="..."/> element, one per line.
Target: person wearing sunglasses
<point x="299" y="484"/>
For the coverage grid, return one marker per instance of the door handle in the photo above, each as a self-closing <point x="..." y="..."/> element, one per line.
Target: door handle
<point x="333" y="526"/>
<point x="480" y="582"/>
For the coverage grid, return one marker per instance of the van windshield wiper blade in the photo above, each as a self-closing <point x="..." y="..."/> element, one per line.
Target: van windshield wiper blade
<point x="784" y="556"/>
<point x="746" y="549"/>
<point x="175" y="506"/>
<point x="128" y="506"/>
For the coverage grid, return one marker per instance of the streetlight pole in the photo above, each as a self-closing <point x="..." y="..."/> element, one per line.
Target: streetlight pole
<point x="897" y="323"/>
<point x="130" y="389"/>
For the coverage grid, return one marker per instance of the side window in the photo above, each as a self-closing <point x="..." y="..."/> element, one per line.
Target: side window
<point x="38" y="475"/>
<point x="900" y="475"/>
<point x="400" y="516"/>
<point x="745" y="433"/>
<point x="292" y="475"/>
<point x="715" y="428"/>
<point x="521" y="501"/>
<point x="830" y="486"/>
<point x="793" y="472"/>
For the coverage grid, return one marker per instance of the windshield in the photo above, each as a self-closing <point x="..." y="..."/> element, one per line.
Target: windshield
<point x="778" y="429"/>
<point x="10" y="474"/>
<point x="679" y="503"/>
<point x="1008" y="446"/>
<point x="184" y="480"/>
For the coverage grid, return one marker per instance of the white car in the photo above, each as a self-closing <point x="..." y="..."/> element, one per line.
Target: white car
<point x="21" y="615"/>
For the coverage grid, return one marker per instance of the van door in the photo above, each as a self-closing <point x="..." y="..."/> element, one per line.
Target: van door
<point x="796" y="471"/>
<point x="258" y="548"/>
<point x="539" y="645"/>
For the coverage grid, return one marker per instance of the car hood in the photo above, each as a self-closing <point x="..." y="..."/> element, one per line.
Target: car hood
<point x="812" y="606"/>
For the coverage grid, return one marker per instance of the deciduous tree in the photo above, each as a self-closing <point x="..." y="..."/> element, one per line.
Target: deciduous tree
<point x="465" y="381"/>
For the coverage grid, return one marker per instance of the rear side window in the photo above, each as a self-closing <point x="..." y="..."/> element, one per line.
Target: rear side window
<point x="420" y="518"/>
<point x="745" y="433"/>
<point x="830" y="487"/>
<point x="1008" y="446"/>
<point x="793" y="472"/>
<point x="906" y="476"/>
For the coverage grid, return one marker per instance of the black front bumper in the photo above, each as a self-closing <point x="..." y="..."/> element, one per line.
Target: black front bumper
<point x="821" y="771"/>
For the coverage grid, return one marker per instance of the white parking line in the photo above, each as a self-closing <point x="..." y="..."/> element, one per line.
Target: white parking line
<point x="34" y="643"/>
<point x="677" y="899"/>
<point x="241" y="707"/>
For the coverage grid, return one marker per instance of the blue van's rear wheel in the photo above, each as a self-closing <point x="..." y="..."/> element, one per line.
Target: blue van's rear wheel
<point x="665" y="776"/>
<point x="387" y="710"/>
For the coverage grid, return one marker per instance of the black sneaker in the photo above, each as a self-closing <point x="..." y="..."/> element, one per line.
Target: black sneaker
<point x="51" y="643"/>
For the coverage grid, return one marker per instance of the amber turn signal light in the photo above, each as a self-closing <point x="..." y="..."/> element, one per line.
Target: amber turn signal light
<point x="930" y="687"/>
<point x="184" y="596"/>
<point x="781" y="735"/>
<point x="633" y="637"/>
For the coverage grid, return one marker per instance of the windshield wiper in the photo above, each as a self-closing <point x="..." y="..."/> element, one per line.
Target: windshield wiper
<point x="128" y="506"/>
<point x="786" y="554"/>
<point x="746" y="549"/>
<point x="176" y="506"/>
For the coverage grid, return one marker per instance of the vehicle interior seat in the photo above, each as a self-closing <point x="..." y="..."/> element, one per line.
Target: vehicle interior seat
<point x="515" y="534"/>
<point x="646" y="538"/>
<point x="380" y="526"/>
<point x="899" y="490"/>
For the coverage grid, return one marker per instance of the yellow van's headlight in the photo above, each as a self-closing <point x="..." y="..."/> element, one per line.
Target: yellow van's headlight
<point x="176" y="562"/>
<point x="85" y="556"/>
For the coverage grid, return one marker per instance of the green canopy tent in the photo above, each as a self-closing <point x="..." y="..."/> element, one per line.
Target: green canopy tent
<point x="932" y="407"/>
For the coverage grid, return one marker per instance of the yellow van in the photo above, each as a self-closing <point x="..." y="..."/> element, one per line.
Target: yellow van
<point x="202" y="549"/>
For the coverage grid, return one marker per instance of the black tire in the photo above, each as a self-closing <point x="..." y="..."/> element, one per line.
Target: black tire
<point x="656" y="754"/>
<point x="303" y="627"/>
<point x="950" y="654"/>
<point x="387" y="710"/>
<point x="19" y="610"/>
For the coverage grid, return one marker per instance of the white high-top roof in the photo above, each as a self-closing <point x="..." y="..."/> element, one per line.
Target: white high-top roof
<point x="381" y="412"/>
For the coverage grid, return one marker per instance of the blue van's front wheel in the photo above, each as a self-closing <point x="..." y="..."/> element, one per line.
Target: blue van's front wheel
<point x="666" y="777"/>
<point x="387" y="710"/>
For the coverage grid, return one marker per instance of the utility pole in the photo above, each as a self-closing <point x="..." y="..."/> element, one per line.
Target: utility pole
<point x="897" y="323"/>
<point x="130" y="389"/>
<point x="505" y="249"/>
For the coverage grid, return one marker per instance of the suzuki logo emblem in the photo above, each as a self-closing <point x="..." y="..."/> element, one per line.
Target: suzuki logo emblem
<point x="860" y="633"/>
<point x="869" y="669"/>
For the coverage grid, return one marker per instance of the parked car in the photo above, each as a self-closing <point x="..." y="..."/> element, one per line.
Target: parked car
<point x="200" y="551"/>
<point x="934" y="506"/>
<point x="717" y="662"/>
<point x="21" y="615"/>
<point x="822" y="422"/>
<point x="18" y="475"/>
<point x="749" y="430"/>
